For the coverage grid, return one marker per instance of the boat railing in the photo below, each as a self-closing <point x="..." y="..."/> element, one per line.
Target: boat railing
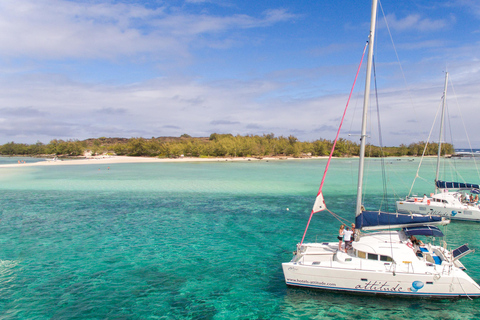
<point x="409" y="266"/>
<point x="390" y="267"/>
<point x="444" y="244"/>
<point x="447" y="268"/>
<point x="310" y="258"/>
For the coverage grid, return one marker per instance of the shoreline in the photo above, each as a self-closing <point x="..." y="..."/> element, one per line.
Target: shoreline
<point x="127" y="159"/>
<point x="130" y="159"/>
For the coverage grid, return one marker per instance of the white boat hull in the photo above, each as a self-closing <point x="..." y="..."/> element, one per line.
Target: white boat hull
<point x="377" y="283"/>
<point x="330" y="270"/>
<point x="452" y="209"/>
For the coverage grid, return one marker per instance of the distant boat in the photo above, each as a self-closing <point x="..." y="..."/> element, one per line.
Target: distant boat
<point x="466" y="154"/>
<point x="385" y="262"/>
<point x="454" y="200"/>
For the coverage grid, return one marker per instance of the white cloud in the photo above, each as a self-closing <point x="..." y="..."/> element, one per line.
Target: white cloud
<point x="65" y="109"/>
<point x="56" y="29"/>
<point x="299" y="99"/>
<point x="472" y="6"/>
<point x="416" y="22"/>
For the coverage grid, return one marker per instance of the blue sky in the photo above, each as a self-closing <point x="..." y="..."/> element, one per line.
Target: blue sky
<point x="87" y="69"/>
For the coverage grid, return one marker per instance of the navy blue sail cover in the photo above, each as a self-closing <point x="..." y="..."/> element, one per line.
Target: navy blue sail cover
<point x="423" y="231"/>
<point x="379" y="218"/>
<point x="455" y="185"/>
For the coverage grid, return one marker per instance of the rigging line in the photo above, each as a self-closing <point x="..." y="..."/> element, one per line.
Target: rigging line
<point x="408" y="91"/>
<point x="460" y="283"/>
<point x="368" y="152"/>
<point x="425" y="149"/>
<point x="422" y="178"/>
<point x="453" y="159"/>
<point x="444" y="141"/>
<point x="336" y="216"/>
<point x="382" y="155"/>
<point x="380" y="140"/>
<point x="464" y="127"/>
<point x="398" y="177"/>
<point x="398" y="60"/>
<point x="357" y="99"/>
<point x="336" y="138"/>
<point x="454" y="173"/>
<point x="445" y="151"/>
<point x="459" y="176"/>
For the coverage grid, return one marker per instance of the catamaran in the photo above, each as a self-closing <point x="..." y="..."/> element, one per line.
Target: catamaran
<point x="384" y="259"/>
<point x="455" y="200"/>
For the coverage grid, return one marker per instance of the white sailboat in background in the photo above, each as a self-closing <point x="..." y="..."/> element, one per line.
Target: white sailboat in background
<point x="383" y="262"/>
<point x="455" y="200"/>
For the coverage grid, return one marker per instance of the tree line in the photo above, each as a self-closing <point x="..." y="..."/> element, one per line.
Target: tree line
<point x="217" y="145"/>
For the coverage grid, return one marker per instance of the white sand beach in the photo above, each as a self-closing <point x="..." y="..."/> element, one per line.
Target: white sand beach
<point x="125" y="159"/>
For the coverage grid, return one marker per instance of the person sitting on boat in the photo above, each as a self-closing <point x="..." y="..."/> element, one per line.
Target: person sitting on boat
<point x="347" y="238"/>
<point x="340" y="237"/>
<point x="353" y="232"/>
<point x="416" y="244"/>
<point x="424" y="198"/>
<point x="415" y="241"/>
<point x="471" y="198"/>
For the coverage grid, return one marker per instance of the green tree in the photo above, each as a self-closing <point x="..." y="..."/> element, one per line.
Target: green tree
<point x="137" y="147"/>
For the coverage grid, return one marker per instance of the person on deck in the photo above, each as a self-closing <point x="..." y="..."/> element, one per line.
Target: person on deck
<point x="415" y="241"/>
<point x="416" y="245"/>
<point x="347" y="238"/>
<point x="340" y="237"/>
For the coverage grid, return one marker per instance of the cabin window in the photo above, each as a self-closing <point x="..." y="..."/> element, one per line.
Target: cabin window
<point x="372" y="256"/>
<point x="386" y="258"/>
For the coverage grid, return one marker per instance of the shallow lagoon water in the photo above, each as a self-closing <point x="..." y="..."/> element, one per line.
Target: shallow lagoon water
<point x="201" y="240"/>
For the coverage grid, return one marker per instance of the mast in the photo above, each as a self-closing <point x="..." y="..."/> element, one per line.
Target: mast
<point x="441" y="131"/>
<point x="366" y="97"/>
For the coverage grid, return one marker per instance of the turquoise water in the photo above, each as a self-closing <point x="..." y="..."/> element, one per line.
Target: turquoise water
<point x="190" y="240"/>
<point x="16" y="160"/>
